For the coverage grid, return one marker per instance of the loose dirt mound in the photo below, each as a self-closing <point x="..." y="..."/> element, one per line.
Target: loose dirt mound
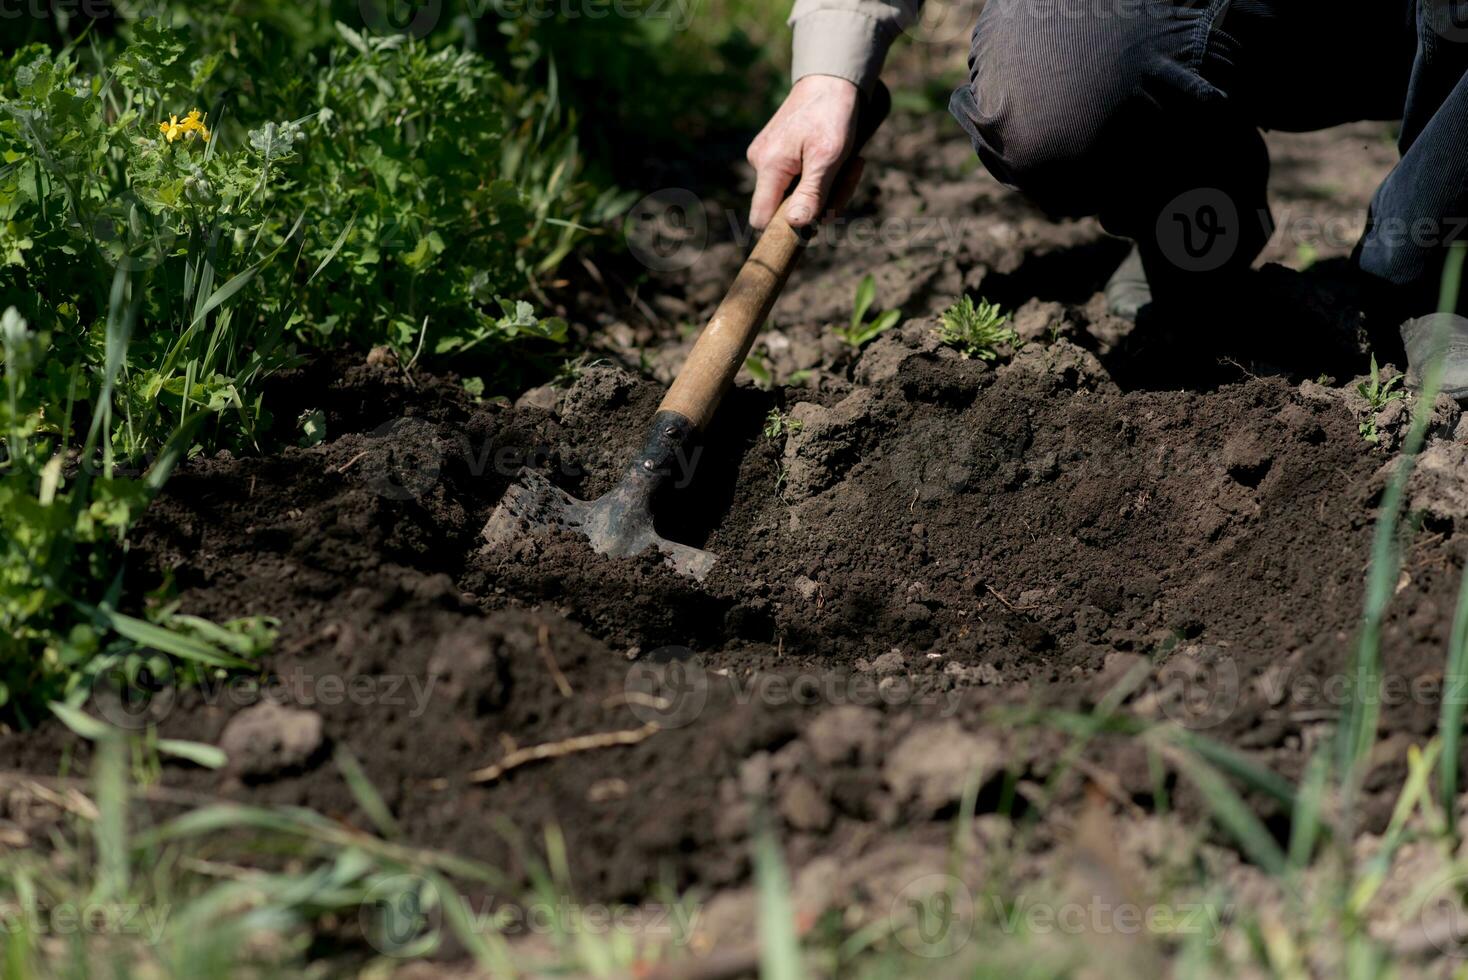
<point x="935" y="537"/>
<point x="929" y="545"/>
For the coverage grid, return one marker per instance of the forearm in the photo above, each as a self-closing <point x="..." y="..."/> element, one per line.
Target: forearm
<point x="847" y="38"/>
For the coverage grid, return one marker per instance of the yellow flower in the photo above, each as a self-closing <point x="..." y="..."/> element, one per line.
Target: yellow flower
<point x="190" y="128"/>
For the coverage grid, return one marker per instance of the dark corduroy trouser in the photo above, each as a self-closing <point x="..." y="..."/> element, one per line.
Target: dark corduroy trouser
<point x="1147" y="113"/>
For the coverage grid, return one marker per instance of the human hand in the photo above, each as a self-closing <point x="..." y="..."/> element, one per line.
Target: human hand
<point x="809" y="137"/>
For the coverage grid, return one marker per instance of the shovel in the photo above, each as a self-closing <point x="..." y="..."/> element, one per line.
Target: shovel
<point x="620" y="523"/>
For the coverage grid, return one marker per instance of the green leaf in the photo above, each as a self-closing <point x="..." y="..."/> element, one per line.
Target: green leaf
<point x="313" y="426"/>
<point x="779" y="942"/>
<point x="866" y="294"/>
<point x="1306" y="823"/>
<point x="1232" y="814"/>
<point x="365" y="793"/>
<point x="336" y="247"/>
<point x="885" y="322"/>
<point x="208" y="756"/>
<point x="82" y="723"/>
<point x="223" y="293"/>
<point x="148" y="635"/>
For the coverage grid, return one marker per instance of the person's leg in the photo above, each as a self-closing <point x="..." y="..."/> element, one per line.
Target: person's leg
<point x="1107" y="108"/>
<point x="1145" y="111"/>
<point x="1422" y="206"/>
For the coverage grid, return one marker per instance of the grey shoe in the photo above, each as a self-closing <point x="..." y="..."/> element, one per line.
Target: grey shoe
<point x="1127" y="291"/>
<point x="1441" y="334"/>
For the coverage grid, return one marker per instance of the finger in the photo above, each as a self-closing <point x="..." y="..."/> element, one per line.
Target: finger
<point x="815" y="185"/>
<point x="846" y="184"/>
<point x="770" y="183"/>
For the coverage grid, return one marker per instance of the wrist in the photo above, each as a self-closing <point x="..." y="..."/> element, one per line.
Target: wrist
<point x="818" y="84"/>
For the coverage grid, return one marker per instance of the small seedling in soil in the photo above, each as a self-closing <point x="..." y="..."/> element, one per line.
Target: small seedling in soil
<point x="1378" y="395"/>
<point x="777" y="423"/>
<point x="782" y="477"/>
<point x="976" y="331"/>
<point x="764" y="378"/>
<point x="312" y="423"/>
<point x="571" y="370"/>
<point x="861" y="331"/>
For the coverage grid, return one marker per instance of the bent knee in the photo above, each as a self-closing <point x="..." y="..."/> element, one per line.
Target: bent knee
<point x="1049" y="144"/>
<point x="1057" y="100"/>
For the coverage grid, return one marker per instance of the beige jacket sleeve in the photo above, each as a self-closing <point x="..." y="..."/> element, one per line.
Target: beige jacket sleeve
<point x="847" y="38"/>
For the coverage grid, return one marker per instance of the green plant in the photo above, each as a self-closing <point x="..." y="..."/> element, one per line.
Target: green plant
<point x="780" y="957"/>
<point x="1378" y="395"/>
<point x="130" y="244"/>
<point x="312" y="425"/>
<point x="164" y="248"/>
<point x="411" y="232"/>
<point x="65" y="504"/>
<point x="777" y="423"/>
<point x="759" y="370"/>
<point x="861" y="331"/>
<point x="225" y="889"/>
<point x="1358" y="727"/>
<point x="579" y="949"/>
<point x="203" y="916"/>
<point x="975" y="331"/>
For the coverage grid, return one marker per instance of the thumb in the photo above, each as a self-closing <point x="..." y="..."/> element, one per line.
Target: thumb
<point x="815" y="184"/>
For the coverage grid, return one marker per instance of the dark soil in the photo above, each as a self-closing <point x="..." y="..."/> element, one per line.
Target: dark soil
<point x="942" y="537"/>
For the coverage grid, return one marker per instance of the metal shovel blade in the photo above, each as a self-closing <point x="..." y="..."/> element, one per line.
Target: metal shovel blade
<point x="617" y="523"/>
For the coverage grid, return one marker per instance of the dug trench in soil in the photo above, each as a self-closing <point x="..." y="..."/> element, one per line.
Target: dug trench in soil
<point x="946" y="538"/>
<point x="936" y="538"/>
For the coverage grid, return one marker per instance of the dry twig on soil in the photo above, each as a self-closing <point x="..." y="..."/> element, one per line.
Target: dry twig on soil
<point x="343" y="467"/>
<point x="570" y="746"/>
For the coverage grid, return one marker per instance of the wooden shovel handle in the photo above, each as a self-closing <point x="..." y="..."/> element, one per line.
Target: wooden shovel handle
<point x="723" y="345"/>
<point x="725" y="341"/>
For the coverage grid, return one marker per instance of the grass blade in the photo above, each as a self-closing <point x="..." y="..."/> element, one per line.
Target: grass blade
<point x="1455" y="697"/>
<point x="200" y="754"/>
<point x="1305" y="824"/>
<point x="490" y="951"/>
<point x="365" y="793"/>
<point x="779" y="943"/>
<point x="110" y="776"/>
<point x="1232" y="814"/>
<point x="1415" y="792"/>
<point x="82" y="723"/>
<point x="147" y="634"/>
<point x="335" y="248"/>
<point x="1359" y="723"/>
<point x="1242" y="768"/>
